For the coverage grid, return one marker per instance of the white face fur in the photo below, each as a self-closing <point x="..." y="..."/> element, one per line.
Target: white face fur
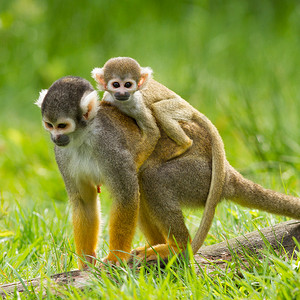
<point x="117" y="85"/>
<point x="119" y="88"/>
<point x="61" y="128"/>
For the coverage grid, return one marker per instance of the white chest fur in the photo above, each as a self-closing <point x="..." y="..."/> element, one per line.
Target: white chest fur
<point x="134" y="107"/>
<point x="83" y="164"/>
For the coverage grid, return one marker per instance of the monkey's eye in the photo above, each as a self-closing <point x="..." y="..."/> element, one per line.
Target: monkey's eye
<point x="62" y="125"/>
<point x="116" y="84"/>
<point x="49" y="125"/>
<point x="128" y="84"/>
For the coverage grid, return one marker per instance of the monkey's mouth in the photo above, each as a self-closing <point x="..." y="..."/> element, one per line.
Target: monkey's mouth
<point x="60" y="144"/>
<point x="122" y="97"/>
<point x="61" y="140"/>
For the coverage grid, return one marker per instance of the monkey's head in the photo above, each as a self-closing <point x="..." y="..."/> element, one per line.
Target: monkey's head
<point x="121" y="77"/>
<point x="67" y="108"/>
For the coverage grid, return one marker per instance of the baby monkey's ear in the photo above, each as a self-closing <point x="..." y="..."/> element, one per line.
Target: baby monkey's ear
<point x="98" y="75"/>
<point x="89" y="105"/>
<point x="41" y="98"/>
<point x="146" y="74"/>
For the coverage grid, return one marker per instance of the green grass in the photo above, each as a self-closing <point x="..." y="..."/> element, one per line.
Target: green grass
<point x="236" y="61"/>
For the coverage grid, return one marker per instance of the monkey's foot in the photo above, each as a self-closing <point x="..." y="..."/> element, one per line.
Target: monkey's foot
<point x="116" y="257"/>
<point x="139" y="250"/>
<point x="89" y="259"/>
<point x="164" y="251"/>
<point x="180" y="149"/>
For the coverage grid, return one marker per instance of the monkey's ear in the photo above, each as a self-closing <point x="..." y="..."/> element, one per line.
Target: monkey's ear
<point x="89" y="105"/>
<point x="41" y="98"/>
<point x="146" y="74"/>
<point x="98" y="75"/>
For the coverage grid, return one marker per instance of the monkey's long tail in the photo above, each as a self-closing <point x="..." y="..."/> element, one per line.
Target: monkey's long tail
<point x="217" y="181"/>
<point x="252" y="195"/>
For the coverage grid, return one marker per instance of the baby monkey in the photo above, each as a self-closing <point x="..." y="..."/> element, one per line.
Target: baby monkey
<point x="132" y="89"/>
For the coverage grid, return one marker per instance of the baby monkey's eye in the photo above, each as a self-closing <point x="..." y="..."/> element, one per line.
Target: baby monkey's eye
<point x="128" y="84"/>
<point x="116" y="84"/>
<point x="62" y="125"/>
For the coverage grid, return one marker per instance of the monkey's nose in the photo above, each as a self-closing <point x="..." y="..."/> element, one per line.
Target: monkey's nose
<point x="60" y="139"/>
<point x="122" y="96"/>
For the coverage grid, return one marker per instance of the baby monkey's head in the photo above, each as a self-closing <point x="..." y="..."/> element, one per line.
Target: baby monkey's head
<point x="122" y="77"/>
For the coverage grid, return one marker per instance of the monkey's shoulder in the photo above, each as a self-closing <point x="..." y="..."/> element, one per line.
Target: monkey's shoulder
<point x="116" y="117"/>
<point x="122" y="127"/>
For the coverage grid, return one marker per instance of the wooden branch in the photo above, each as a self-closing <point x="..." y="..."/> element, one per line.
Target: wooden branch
<point x="78" y="279"/>
<point x="279" y="237"/>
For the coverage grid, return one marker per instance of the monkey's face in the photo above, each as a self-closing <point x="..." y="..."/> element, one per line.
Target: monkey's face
<point x="121" y="90"/>
<point x="68" y="107"/>
<point x="60" y="130"/>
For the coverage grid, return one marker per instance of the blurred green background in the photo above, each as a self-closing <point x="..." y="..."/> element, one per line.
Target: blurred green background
<point x="236" y="61"/>
<point x="230" y="59"/>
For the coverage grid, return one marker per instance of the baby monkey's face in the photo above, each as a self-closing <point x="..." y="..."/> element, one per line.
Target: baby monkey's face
<point x="121" y="89"/>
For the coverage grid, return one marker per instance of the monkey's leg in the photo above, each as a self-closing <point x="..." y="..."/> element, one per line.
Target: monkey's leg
<point x="123" y="184"/>
<point x="164" y="214"/>
<point x="171" y="223"/>
<point x="86" y="222"/>
<point x="176" y="235"/>
<point x="168" y="112"/>
<point x="147" y="225"/>
<point x="121" y="231"/>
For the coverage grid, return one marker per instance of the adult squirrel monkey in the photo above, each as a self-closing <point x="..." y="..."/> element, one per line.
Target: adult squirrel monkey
<point x="96" y="144"/>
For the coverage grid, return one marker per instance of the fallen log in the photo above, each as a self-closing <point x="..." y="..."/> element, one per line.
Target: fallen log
<point x="278" y="238"/>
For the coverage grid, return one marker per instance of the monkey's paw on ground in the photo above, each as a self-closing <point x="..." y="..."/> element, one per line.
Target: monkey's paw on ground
<point x="116" y="258"/>
<point x="164" y="251"/>
<point x="87" y="261"/>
